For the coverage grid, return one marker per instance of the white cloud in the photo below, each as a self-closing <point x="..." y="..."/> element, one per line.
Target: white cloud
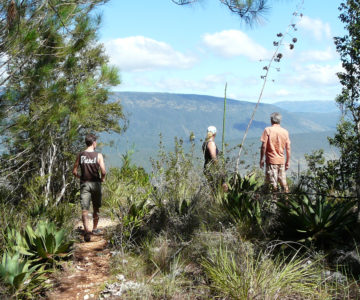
<point x="315" y="75"/>
<point x="177" y="84"/>
<point x="318" y="55"/>
<point x="231" y="43"/>
<point x="316" y="27"/>
<point x="282" y="92"/>
<point x="139" y="53"/>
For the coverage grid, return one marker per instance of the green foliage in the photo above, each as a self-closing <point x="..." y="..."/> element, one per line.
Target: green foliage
<point x="13" y="218"/>
<point x="133" y="216"/>
<point x="249" y="11"/>
<point x="241" y="201"/>
<point x="326" y="176"/>
<point x="177" y="190"/>
<point x="174" y="178"/>
<point x="59" y="94"/>
<point x="126" y="197"/>
<point x="44" y="245"/>
<point x="250" y="276"/>
<point x="14" y="271"/>
<point x="18" y="274"/>
<point x="317" y="219"/>
<point x="173" y="174"/>
<point x="347" y="138"/>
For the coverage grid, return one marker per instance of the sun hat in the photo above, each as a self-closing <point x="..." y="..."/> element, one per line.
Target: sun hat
<point x="211" y="129"/>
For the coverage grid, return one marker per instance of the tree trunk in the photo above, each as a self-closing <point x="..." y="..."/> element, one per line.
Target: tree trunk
<point x="357" y="179"/>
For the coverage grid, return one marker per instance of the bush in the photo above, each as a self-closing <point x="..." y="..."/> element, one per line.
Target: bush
<point x="179" y="189"/>
<point x="317" y="219"/>
<point x="241" y="201"/>
<point x="127" y="197"/>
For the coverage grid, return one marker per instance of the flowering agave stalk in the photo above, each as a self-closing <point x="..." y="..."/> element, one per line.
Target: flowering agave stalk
<point x="276" y="57"/>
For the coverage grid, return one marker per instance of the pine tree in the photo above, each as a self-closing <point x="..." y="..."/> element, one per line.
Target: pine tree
<point x="347" y="137"/>
<point x="248" y="10"/>
<point x="57" y="90"/>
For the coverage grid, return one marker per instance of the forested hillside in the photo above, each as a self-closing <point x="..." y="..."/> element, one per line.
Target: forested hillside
<point x="179" y="115"/>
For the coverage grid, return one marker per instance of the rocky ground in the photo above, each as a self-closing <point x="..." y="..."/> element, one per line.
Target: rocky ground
<point x="86" y="277"/>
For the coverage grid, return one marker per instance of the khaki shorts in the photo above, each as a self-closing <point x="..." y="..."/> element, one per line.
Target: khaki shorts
<point x="276" y="174"/>
<point x="90" y="192"/>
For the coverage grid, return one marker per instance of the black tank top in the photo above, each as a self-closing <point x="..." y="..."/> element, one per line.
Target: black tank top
<point x="206" y="152"/>
<point x="89" y="166"/>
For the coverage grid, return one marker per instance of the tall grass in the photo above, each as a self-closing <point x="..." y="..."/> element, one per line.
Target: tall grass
<point x="260" y="277"/>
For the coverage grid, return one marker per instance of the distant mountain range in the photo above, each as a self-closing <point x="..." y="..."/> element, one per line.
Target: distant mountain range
<point x="178" y="115"/>
<point x="309" y="106"/>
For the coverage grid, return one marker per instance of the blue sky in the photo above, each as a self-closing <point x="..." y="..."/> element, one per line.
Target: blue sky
<point x="161" y="47"/>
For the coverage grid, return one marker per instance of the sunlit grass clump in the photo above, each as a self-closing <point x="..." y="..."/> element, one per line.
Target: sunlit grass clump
<point x="261" y="277"/>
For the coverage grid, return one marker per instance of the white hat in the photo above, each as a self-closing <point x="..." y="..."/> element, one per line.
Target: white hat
<point x="211" y="129"/>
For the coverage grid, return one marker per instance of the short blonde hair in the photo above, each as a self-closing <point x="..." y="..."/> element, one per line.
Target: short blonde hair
<point x="209" y="135"/>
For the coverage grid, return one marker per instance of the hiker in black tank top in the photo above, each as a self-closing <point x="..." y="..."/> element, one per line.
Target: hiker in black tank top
<point x="211" y="167"/>
<point x="207" y="155"/>
<point x="92" y="165"/>
<point x="209" y="147"/>
<point x="89" y="166"/>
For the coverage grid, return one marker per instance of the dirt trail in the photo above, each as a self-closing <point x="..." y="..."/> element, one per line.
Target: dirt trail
<point x="89" y="271"/>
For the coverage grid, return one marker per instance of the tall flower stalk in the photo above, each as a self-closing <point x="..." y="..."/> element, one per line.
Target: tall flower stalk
<point x="276" y="57"/>
<point x="224" y="118"/>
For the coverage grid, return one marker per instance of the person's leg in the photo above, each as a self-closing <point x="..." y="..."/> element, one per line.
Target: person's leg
<point x="84" y="217"/>
<point x="95" y="218"/>
<point x="271" y="177"/>
<point x="85" y="196"/>
<point x="96" y="204"/>
<point x="282" y="178"/>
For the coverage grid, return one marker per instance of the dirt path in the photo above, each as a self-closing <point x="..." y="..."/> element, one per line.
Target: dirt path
<point x="89" y="271"/>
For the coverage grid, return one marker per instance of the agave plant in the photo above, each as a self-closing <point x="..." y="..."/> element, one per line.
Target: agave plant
<point x="44" y="244"/>
<point x="318" y="219"/>
<point x="18" y="273"/>
<point x="240" y="201"/>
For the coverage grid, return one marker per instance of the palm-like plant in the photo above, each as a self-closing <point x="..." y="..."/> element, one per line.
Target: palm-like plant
<point x="44" y="244"/>
<point x="18" y="273"/>
<point x="240" y="202"/>
<point x="318" y="219"/>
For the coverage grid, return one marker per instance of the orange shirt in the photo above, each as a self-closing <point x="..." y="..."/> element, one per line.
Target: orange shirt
<point x="276" y="139"/>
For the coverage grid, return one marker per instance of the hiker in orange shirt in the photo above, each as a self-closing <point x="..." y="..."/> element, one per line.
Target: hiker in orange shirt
<point x="274" y="140"/>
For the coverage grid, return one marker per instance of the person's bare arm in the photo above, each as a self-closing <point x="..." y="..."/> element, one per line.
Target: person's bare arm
<point x="76" y="165"/>
<point x="262" y="154"/>
<point x="212" y="150"/>
<point x="102" y="166"/>
<point x="288" y="155"/>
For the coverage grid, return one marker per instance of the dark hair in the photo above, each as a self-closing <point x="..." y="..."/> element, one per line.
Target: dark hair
<point x="90" y="139"/>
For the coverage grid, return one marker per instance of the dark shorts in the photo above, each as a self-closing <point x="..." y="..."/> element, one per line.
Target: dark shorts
<point x="90" y="192"/>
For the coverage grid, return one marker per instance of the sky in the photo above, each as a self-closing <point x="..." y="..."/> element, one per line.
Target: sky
<point x="162" y="47"/>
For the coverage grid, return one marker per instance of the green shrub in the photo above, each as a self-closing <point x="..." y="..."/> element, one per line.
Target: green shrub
<point x="241" y="201"/>
<point x="318" y="219"/>
<point x="11" y="218"/>
<point x="179" y="187"/>
<point x="127" y="198"/>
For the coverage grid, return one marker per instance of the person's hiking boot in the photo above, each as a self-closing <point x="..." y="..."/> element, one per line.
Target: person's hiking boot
<point x="87" y="237"/>
<point x="97" y="231"/>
